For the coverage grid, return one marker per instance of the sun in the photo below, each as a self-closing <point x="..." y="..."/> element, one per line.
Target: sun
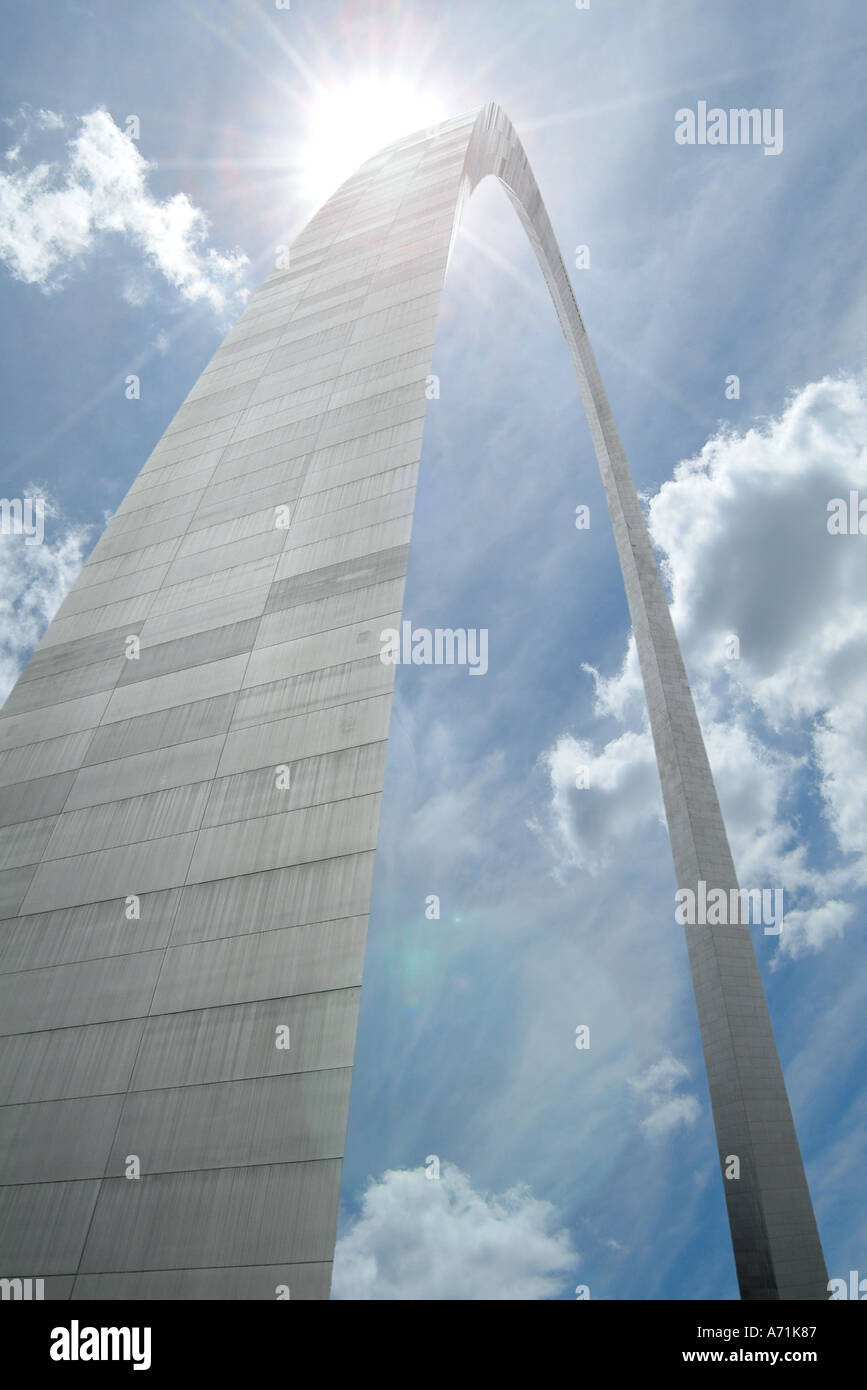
<point x="347" y="124"/>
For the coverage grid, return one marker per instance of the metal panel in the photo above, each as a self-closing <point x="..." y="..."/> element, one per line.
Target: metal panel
<point x="304" y="1282"/>
<point x="44" y="1225"/>
<point x="306" y="782"/>
<point x="24" y="801"/>
<point x="239" y="1040"/>
<point x="295" y="960"/>
<point x="110" y="873"/>
<point x="319" y="892"/>
<point x="244" y="1216"/>
<point x="56" y="1140"/>
<point x="302" y="735"/>
<point x="86" y="933"/>
<point x="89" y="1060"/>
<point x="273" y="1119"/>
<point x="64" y="996"/>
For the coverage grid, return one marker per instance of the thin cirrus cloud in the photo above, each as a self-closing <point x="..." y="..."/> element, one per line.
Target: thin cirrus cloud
<point x="53" y="215"/>
<point x="749" y="515"/>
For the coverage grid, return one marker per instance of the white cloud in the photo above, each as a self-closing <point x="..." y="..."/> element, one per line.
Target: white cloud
<point x="417" y="1238"/>
<point x="26" y="120"/>
<point x="52" y="215"/>
<point x="744" y="530"/>
<point x="666" y="1107"/>
<point x="742" y="534"/>
<point x="33" y="582"/>
<point x="48" y="120"/>
<point x="812" y="929"/>
<point x="620" y="795"/>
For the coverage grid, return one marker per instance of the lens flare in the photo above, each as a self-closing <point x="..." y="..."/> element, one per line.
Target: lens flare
<point x="348" y="124"/>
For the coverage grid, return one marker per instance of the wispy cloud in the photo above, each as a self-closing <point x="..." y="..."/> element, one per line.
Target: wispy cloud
<point x="666" y="1107"/>
<point x="54" y="214"/>
<point x="34" y="580"/>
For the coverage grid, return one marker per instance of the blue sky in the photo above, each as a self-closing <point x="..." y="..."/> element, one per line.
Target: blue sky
<point x="559" y="1167"/>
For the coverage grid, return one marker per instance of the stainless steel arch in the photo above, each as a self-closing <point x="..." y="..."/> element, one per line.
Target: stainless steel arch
<point x="257" y="556"/>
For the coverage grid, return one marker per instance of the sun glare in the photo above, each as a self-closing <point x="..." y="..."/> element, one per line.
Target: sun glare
<point x="349" y="124"/>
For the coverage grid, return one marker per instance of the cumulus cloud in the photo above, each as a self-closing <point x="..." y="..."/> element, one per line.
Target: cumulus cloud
<point x="743" y="527"/>
<point x="742" y="534"/>
<point x="417" y="1238"/>
<point x="53" y="214"/>
<point x="666" y="1107"/>
<point x="34" y="580"/>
